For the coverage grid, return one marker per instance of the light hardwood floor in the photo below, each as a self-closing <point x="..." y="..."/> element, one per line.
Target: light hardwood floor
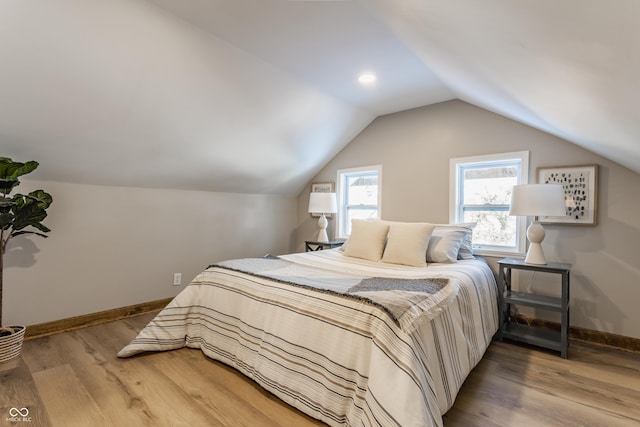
<point x="75" y="379"/>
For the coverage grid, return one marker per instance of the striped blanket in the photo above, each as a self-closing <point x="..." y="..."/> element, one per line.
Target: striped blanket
<point x="342" y="360"/>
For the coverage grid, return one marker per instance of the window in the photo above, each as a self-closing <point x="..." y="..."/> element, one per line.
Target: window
<point x="480" y="192"/>
<point x="359" y="192"/>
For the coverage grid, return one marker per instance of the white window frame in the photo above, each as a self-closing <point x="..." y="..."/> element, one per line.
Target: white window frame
<point x="456" y="206"/>
<point x="342" y="175"/>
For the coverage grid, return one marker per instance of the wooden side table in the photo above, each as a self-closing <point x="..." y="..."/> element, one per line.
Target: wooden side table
<point x="312" y="245"/>
<point x="553" y="340"/>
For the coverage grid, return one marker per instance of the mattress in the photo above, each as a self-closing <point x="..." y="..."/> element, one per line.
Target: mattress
<point x="313" y="330"/>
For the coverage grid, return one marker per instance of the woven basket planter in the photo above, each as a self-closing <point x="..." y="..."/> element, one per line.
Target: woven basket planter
<point x="11" y="345"/>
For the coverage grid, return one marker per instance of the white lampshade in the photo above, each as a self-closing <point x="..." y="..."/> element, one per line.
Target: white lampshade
<point x="323" y="203"/>
<point x="537" y="200"/>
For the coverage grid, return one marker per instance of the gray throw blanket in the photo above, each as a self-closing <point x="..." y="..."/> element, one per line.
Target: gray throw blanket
<point x="403" y="300"/>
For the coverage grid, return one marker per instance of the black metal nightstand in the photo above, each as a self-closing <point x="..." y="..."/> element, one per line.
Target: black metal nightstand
<point x="553" y="340"/>
<point x="312" y="245"/>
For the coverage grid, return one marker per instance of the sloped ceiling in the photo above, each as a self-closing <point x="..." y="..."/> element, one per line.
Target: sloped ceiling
<point x="257" y="95"/>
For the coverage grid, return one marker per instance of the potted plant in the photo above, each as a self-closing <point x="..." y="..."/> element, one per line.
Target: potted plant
<point x="19" y="214"/>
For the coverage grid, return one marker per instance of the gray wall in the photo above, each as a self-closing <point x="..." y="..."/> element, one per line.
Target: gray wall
<point x="114" y="246"/>
<point x="414" y="148"/>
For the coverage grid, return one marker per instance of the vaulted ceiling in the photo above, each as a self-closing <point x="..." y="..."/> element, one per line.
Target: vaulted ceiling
<point x="257" y="95"/>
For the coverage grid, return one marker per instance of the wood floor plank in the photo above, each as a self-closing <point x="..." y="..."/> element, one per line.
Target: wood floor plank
<point x="92" y="353"/>
<point x="105" y="340"/>
<point x="44" y="353"/>
<point x="66" y="400"/>
<point x="522" y="403"/>
<point x="76" y="377"/>
<point x="225" y="388"/>
<point x="116" y="397"/>
<point x="170" y="404"/>
<point x="136" y="323"/>
<point x="584" y="384"/>
<point x="524" y="386"/>
<point x="19" y="391"/>
<point x="215" y="400"/>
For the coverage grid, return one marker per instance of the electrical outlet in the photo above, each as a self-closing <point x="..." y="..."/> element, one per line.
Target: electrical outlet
<point x="177" y="279"/>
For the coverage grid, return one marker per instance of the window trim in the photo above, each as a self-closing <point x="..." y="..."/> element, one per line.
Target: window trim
<point x="454" y="193"/>
<point x="340" y="180"/>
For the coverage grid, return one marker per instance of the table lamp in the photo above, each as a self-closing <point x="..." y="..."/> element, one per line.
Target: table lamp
<point x="322" y="203"/>
<point x="537" y="200"/>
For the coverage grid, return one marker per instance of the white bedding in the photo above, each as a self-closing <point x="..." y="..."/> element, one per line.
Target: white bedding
<point x="338" y="359"/>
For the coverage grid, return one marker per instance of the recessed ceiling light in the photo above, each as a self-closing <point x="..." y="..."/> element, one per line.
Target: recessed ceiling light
<point x="367" y="78"/>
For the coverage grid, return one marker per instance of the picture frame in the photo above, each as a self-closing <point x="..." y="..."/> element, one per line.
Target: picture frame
<point x="580" y="185"/>
<point x="322" y="187"/>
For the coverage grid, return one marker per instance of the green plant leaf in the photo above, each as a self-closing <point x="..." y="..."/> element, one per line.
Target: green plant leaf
<point x="5" y="204"/>
<point x="30" y="210"/>
<point x="43" y="198"/>
<point x="6" y="219"/>
<point x="10" y="170"/>
<point x="6" y="185"/>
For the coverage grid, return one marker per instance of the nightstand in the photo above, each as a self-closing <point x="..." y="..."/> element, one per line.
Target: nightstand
<point x="312" y="245"/>
<point x="553" y="340"/>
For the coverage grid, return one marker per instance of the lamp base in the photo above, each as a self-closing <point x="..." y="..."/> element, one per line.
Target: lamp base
<point x="535" y="255"/>
<point x="535" y="234"/>
<point x="322" y="234"/>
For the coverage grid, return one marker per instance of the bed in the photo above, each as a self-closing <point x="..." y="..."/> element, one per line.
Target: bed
<point x="348" y="340"/>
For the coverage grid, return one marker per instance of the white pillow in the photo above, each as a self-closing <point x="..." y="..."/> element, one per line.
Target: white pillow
<point x="367" y="239"/>
<point x="445" y="244"/>
<point x="465" y="251"/>
<point x="466" y="248"/>
<point x="407" y="243"/>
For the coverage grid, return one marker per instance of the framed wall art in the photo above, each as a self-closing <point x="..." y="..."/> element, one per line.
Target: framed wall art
<point x="322" y="187"/>
<point x="580" y="185"/>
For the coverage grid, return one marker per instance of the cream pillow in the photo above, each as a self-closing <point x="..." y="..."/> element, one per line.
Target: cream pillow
<point x="367" y="239"/>
<point x="407" y="243"/>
